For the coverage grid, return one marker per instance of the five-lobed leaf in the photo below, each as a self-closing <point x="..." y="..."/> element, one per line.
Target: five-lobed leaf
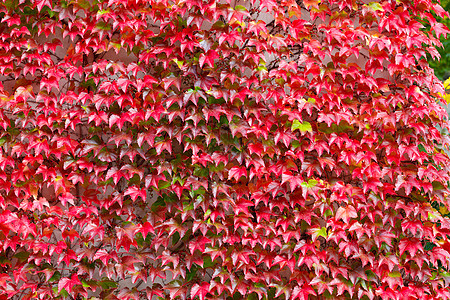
<point x="301" y="126"/>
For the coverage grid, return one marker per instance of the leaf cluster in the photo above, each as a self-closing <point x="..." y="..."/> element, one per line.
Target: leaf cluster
<point x="200" y="149"/>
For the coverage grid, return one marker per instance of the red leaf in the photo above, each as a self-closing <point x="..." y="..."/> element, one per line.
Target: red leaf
<point x="146" y="229"/>
<point x="208" y="58"/>
<point x="346" y="213"/>
<point x="68" y="283"/>
<point x="200" y="290"/>
<point x="412" y="245"/>
<point x="169" y="81"/>
<point x="134" y="192"/>
<point x="199" y="244"/>
<point x="237" y="173"/>
<point x="440" y="29"/>
<point x="105" y="256"/>
<point x="302" y="292"/>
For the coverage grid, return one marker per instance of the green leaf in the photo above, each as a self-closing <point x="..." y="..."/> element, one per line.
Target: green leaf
<point x="218" y="25"/>
<point x="22" y="256"/>
<point x="328" y="213"/>
<point x="159" y="202"/>
<point x="103" y="25"/>
<point x="321" y="232"/>
<point x="88" y="83"/>
<point x="107" y="284"/>
<point x="201" y="172"/>
<point x="261" y="68"/>
<point x="139" y="239"/>
<point x="29" y="11"/>
<point x="162" y="185"/>
<point x="62" y="293"/>
<point x="395" y="274"/>
<point x="102" y="12"/>
<point x="207" y="262"/>
<point x="295" y="144"/>
<point x="437" y="185"/>
<point x="175" y="237"/>
<point x="422" y="148"/>
<point x="240" y="8"/>
<point x="375" y="6"/>
<point x="303" y="127"/>
<point x="311" y="183"/>
<point x="55" y="277"/>
<point x="190" y="275"/>
<point x="180" y="63"/>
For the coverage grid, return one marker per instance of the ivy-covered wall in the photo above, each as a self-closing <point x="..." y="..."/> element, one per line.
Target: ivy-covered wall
<point x="271" y="149"/>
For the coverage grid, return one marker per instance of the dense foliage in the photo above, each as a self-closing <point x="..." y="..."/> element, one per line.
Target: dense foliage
<point x="222" y="149"/>
<point x="441" y="65"/>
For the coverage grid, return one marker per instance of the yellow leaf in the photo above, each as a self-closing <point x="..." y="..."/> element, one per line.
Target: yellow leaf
<point x="443" y="210"/>
<point x="447" y="98"/>
<point x="447" y="83"/>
